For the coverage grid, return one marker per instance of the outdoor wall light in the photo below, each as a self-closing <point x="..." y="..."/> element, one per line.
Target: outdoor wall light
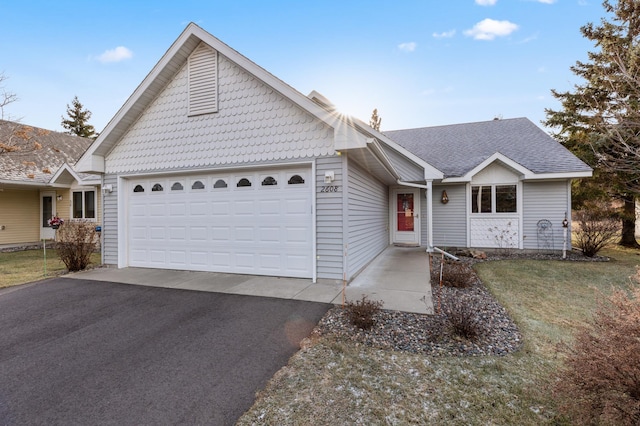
<point x="445" y="197"/>
<point x="329" y="176"/>
<point x="59" y="198"/>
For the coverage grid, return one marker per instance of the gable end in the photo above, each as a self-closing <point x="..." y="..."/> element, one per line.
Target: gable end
<point x="203" y="80"/>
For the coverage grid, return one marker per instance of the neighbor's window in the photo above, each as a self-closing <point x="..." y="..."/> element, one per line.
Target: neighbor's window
<point x="493" y="199"/>
<point x="84" y="204"/>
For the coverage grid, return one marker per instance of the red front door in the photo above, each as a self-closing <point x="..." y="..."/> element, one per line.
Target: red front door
<point x="406" y="227"/>
<point x="405" y="212"/>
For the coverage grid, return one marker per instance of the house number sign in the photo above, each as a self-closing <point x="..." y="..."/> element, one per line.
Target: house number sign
<point x="330" y="188"/>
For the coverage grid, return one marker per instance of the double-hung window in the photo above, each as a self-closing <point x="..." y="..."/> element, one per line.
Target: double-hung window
<point x="494" y="199"/>
<point x="84" y="204"/>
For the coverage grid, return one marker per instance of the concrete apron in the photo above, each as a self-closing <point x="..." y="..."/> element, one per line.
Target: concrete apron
<point x="399" y="277"/>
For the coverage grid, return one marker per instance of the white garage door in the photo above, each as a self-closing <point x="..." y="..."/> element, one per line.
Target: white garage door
<point x="257" y="222"/>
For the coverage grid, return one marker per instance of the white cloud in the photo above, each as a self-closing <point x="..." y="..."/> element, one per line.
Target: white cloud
<point x="446" y="34"/>
<point x="486" y="2"/>
<point x="546" y="1"/>
<point x="118" y="54"/>
<point x="408" y="47"/>
<point x="489" y="29"/>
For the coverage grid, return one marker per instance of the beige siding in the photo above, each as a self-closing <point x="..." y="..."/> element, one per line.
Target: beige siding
<point x="63" y="207"/>
<point x="20" y="216"/>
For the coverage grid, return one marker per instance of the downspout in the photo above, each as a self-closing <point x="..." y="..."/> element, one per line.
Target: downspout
<point x="427" y="193"/>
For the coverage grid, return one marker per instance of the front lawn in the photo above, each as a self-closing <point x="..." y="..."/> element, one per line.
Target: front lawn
<point x="29" y="265"/>
<point x="333" y="381"/>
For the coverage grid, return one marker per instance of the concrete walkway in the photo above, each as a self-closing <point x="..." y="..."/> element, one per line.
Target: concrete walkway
<point x="399" y="277"/>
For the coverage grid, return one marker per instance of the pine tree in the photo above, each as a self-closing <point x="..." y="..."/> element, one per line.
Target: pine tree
<point x="77" y="123"/>
<point x="375" y="121"/>
<point x="600" y="119"/>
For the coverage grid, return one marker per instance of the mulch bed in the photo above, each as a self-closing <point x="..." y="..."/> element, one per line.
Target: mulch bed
<point x="431" y="334"/>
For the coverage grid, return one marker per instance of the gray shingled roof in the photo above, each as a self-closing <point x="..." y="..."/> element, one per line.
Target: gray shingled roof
<point x="56" y="149"/>
<point x="457" y="149"/>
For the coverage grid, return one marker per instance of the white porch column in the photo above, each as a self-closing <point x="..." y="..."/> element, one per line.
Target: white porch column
<point x="429" y="196"/>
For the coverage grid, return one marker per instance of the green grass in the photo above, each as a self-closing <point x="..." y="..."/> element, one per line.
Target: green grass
<point x="331" y="382"/>
<point x="29" y="265"/>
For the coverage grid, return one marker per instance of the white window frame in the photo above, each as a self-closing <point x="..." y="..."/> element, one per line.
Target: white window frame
<point x="493" y="199"/>
<point x="84" y="190"/>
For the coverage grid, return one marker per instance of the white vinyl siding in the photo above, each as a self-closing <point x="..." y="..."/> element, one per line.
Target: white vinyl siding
<point x="110" y="222"/>
<point x="203" y="80"/>
<point x="329" y="221"/>
<point x="544" y="200"/>
<point x="424" y="219"/>
<point x="408" y="170"/>
<point x="450" y="220"/>
<point x="368" y="218"/>
<point x="254" y="124"/>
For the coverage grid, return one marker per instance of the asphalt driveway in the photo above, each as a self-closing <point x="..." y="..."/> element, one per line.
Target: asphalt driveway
<point x="86" y="352"/>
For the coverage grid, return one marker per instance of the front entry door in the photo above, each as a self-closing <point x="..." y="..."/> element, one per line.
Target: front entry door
<point x="406" y="218"/>
<point x="47" y="211"/>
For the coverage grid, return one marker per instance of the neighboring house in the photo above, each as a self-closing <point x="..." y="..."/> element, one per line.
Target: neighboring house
<point x="214" y="164"/>
<point x="38" y="181"/>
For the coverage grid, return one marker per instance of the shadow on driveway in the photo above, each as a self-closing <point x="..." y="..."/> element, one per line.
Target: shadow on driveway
<point x="86" y="352"/>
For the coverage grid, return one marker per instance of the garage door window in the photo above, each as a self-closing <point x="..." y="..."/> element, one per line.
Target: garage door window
<point x="138" y="188"/>
<point x="157" y="188"/>
<point x="197" y="185"/>
<point x="269" y="181"/>
<point x="296" y="180"/>
<point x="244" y="182"/>
<point x="177" y="187"/>
<point x="220" y="183"/>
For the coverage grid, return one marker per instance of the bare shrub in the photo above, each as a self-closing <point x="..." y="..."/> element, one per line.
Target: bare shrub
<point x="598" y="225"/>
<point x="75" y="243"/>
<point x="462" y="317"/>
<point x="454" y="274"/>
<point x="600" y="381"/>
<point x="361" y="313"/>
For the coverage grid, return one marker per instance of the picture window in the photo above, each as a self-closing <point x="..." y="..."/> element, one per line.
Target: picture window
<point x="494" y="199"/>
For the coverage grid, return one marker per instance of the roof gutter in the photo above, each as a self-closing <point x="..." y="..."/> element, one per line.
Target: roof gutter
<point x="413" y="185"/>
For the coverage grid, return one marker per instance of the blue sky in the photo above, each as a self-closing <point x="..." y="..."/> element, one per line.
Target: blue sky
<point x="420" y="63"/>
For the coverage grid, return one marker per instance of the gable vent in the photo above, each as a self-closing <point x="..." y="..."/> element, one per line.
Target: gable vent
<point x="203" y="80"/>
